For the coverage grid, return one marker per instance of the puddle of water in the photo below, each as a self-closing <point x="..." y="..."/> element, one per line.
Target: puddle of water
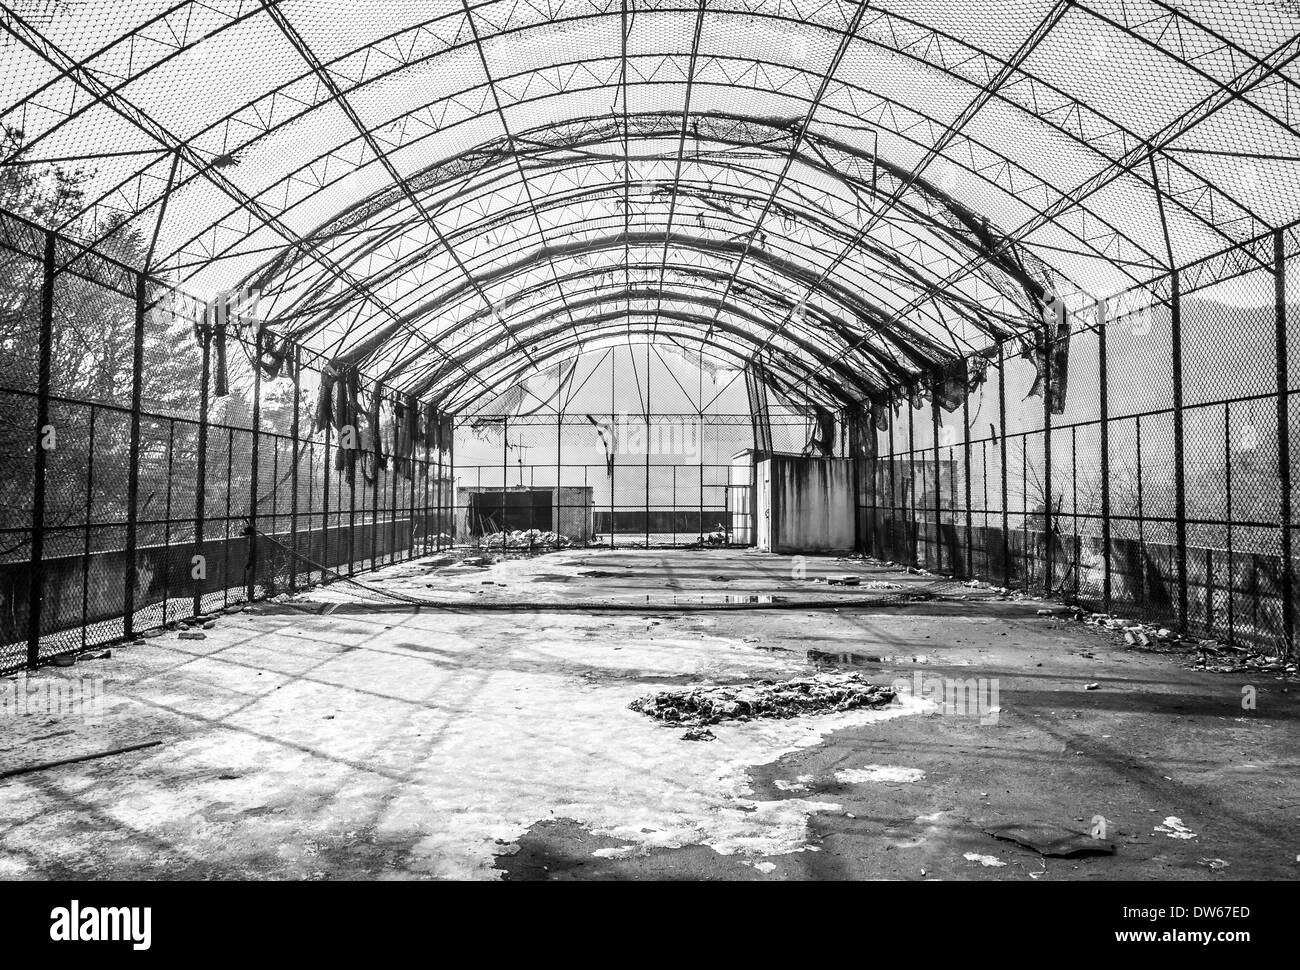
<point x="858" y="659"/>
<point x="720" y="598"/>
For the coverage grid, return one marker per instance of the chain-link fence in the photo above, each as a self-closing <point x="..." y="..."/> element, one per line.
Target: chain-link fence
<point x="147" y="441"/>
<point x="1154" y="483"/>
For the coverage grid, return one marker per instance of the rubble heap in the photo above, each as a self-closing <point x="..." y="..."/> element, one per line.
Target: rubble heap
<point x="526" y="539"/>
<point x="822" y="694"/>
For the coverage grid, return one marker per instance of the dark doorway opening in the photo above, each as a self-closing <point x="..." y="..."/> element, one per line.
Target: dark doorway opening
<point x="518" y="509"/>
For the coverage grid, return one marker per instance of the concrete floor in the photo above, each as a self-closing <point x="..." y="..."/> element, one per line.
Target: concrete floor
<point x="370" y="743"/>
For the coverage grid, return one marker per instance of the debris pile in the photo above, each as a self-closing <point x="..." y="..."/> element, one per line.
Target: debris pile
<point x="1207" y="653"/>
<point x="526" y="539"/>
<point x="822" y="694"/>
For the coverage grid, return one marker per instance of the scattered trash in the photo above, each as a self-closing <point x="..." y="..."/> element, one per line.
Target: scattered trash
<point x="1175" y="829"/>
<point x="1050" y="839"/>
<point x="844" y="580"/>
<point x="193" y="635"/>
<point x="817" y="695"/>
<point x="718" y="537"/>
<point x="64" y="660"/>
<point x="1092" y="686"/>
<point x="1214" y="865"/>
<point x="988" y="861"/>
<point x="102" y="655"/>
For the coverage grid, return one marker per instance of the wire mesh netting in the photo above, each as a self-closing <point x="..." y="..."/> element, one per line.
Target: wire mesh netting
<point x="377" y="280"/>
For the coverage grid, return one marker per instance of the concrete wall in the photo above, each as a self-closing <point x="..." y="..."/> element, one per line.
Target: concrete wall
<point x="571" y="516"/>
<point x="806" y="505"/>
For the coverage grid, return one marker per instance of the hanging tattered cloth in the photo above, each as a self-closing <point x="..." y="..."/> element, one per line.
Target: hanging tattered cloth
<point x="610" y="442"/>
<point x="429" y="431"/>
<point x="272" y="356"/>
<point x="346" y="387"/>
<point x="823" y="435"/>
<point x="437" y="430"/>
<point x="374" y="442"/>
<point x="324" y="418"/>
<point x="1048" y="349"/>
<point x="880" y="413"/>
<point x="950" y="384"/>
<point x="405" y="416"/>
<point x="210" y="331"/>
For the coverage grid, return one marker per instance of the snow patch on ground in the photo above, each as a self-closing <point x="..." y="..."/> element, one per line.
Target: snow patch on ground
<point x="892" y="773"/>
<point x="1175" y="829"/>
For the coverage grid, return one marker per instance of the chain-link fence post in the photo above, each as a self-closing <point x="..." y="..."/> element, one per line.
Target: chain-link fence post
<point x="1283" y="438"/>
<point x="133" y="464"/>
<point x="250" y="567"/>
<point x="36" y="575"/>
<point x="1049" y="523"/>
<point x="1180" y="471"/>
<point x="1002" y="458"/>
<point x="294" y="424"/>
<point x="1103" y="394"/>
<point x="938" y="480"/>
<point x="201" y="465"/>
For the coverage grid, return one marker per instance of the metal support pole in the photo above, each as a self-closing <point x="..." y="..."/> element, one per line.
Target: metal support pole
<point x="440" y="495"/>
<point x="1049" y="342"/>
<point x="1230" y="585"/>
<point x="613" y="460"/>
<point x="424" y="511"/>
<point x="392" y="498"/>
<point x="559" y="450"/>
<point x="1284" y="439"/>
<point x="893" y="490"/>
<point x="325" y="505"/>
<point x="1002" y="431"/>
<point x="36" y="576"/>
<point x="938" y="481"/>
<point x="647" y="445"/>
<point x="85" y="537"/>
<point x="225" y="531"/>
<point x="250" y="568"/>
<point x="451" y="482"/>
<point x="1180" y="470"/>
<point x="374" y="505"/>
<point x="911" y="468"/>
<point x="855" y="433"/>
<point x="295" y="430"/>
<point x="133" y="463"/>
<point x="970" y="524"/>
<point x="355" y="466"/>
<point x="201" y="466"/>
<point x="505" y="474"/>
<point x="1104" y="414"/>
<point x="753" y="518"/>
<point x="167" y="517"/>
